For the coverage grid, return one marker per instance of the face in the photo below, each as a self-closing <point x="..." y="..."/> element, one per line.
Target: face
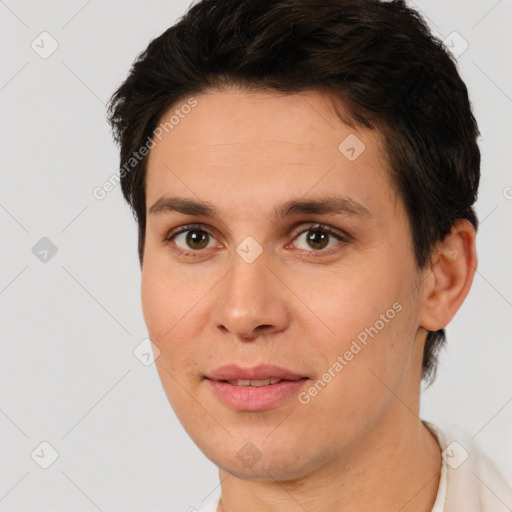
<point x="299" y="255"/>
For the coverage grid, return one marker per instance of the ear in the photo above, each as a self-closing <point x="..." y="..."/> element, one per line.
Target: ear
<point x="449" y="276"/>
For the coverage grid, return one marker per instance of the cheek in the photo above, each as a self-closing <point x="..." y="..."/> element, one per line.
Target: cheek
<point x="154" y="303"/>
<point x="367" y="314"/>
<point x="368" y="355"/>
<point x="165" y="295"/>
<point x="173" y="313"/>
<point x="352" y="299"/>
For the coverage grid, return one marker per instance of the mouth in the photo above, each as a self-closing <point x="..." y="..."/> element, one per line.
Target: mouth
<point x="261" y="375"/>
<point x="254" y="389"/>
<point x="257" y="383"/>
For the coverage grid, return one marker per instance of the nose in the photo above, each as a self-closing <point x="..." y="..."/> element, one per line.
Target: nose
<point x="251" y="301"/>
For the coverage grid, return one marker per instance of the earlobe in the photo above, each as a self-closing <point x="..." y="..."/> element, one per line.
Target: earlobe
<point x="451" y="274"/>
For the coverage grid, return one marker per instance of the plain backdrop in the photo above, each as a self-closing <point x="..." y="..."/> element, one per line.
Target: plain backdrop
<point x="69" y="275"/>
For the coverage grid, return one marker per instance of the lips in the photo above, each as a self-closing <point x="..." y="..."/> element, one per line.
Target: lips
<point x="262" y="372"/>
<point x="256" y="389"/>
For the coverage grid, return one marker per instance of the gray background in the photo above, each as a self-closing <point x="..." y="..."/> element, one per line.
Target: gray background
<point x="70" y="323"/>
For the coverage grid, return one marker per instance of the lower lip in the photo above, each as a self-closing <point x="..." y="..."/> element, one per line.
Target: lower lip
<point x="251" y="398"/>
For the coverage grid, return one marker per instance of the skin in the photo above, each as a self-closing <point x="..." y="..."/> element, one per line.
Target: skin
<point x="359" y="444"/>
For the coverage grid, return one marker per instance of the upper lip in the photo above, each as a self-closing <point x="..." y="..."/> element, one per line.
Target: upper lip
<point x="263" y="371"/>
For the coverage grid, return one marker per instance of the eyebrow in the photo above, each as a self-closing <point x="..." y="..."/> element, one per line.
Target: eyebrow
<point x="322" y="205"/>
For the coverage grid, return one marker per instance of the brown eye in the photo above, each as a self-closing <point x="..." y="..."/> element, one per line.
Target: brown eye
<point x="191" y="239"/>
<point x="317" y="239"/>
<point x="197" y="239"/>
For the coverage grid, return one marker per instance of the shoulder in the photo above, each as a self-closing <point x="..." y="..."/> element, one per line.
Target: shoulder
<point x="474" y="483"/>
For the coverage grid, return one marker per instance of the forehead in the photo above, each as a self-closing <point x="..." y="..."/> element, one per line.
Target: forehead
<point x="269" y="143"/>
<point x="305" y="121"/>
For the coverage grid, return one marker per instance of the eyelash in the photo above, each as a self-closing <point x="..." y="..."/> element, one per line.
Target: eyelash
<point x="342" y="237"/>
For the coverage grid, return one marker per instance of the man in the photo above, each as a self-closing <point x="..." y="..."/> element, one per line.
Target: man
<point x="303" y="174"/>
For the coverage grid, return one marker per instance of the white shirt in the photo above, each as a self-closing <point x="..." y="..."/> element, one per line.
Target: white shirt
<point x="469" y="481"/>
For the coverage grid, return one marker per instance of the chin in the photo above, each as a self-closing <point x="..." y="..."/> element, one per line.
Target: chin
<point x="274" y="460"/>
